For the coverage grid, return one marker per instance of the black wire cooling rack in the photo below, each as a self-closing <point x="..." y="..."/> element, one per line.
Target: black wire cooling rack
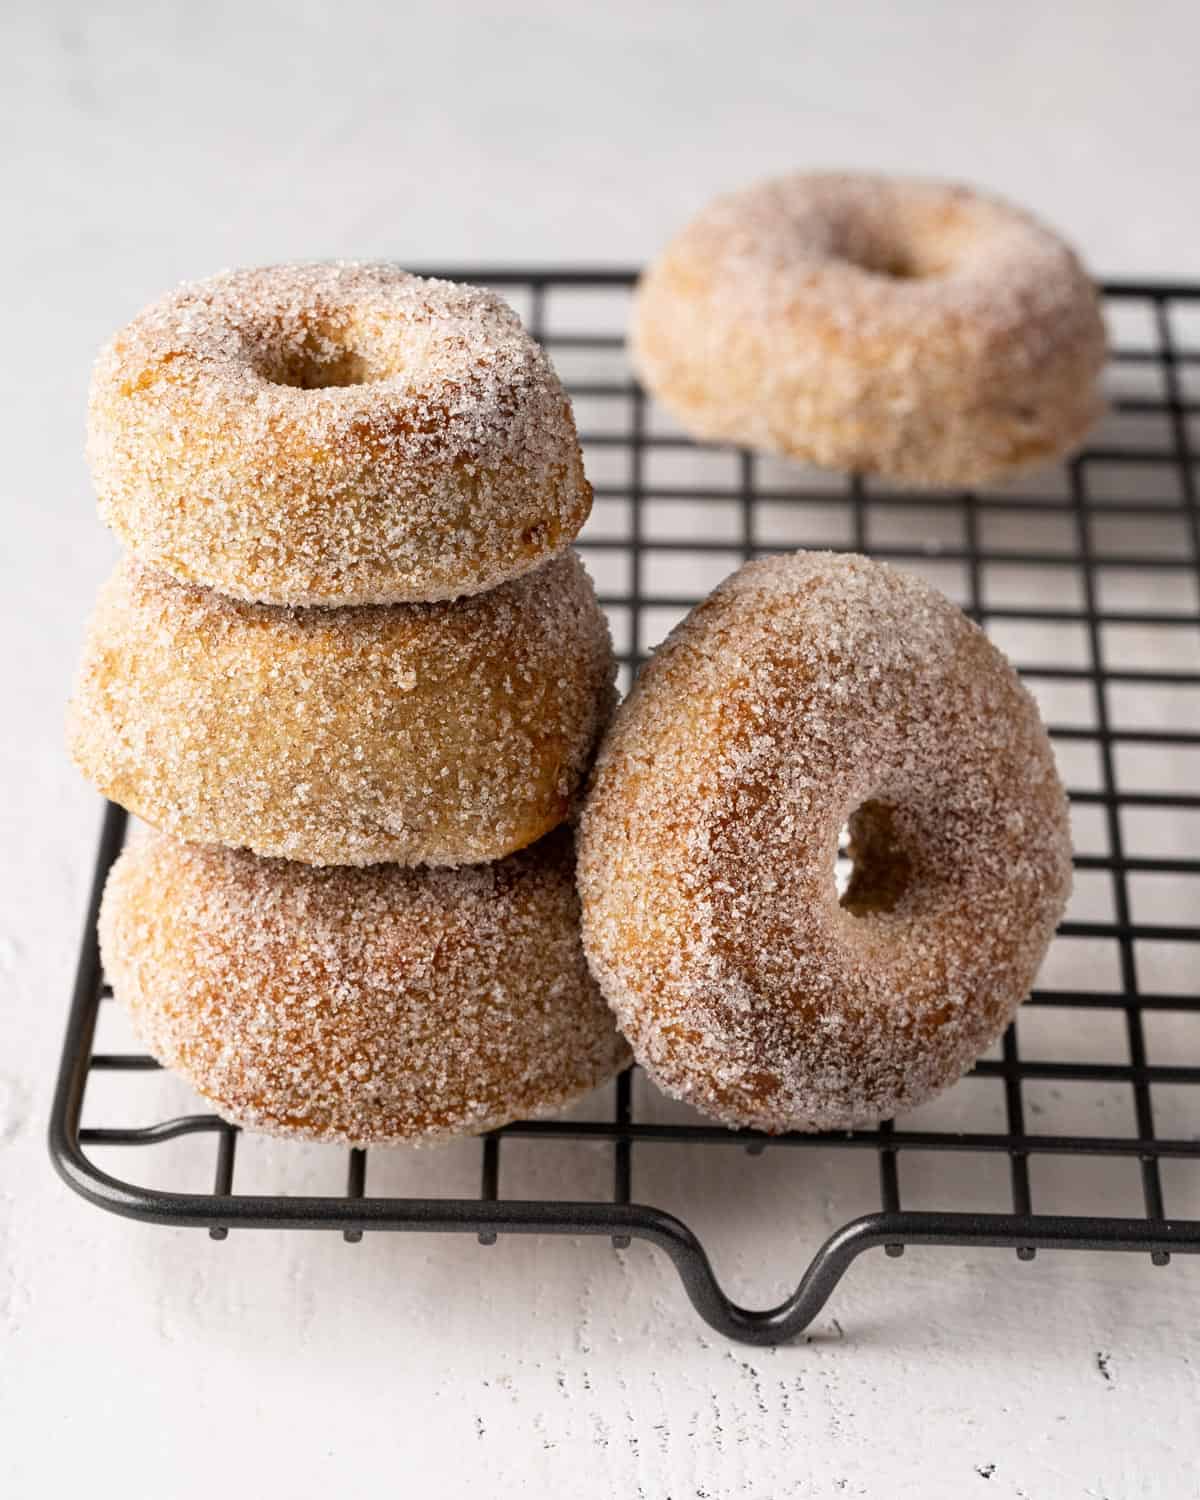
<point x="1087" y="574"/>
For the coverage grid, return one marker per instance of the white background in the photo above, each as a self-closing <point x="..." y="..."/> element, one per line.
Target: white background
<point x="143" y="144"/>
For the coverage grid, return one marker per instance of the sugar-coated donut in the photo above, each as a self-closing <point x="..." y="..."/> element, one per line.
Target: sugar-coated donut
<point x="807" y="692"/>
<point x="420" y="733"/>
<point x="362" y="1006"/>
<point x="917" y="330"/>
<point x="334" y="434"/>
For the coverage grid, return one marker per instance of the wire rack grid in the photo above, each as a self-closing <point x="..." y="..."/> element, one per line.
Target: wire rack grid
<point x="1087" y="574"/>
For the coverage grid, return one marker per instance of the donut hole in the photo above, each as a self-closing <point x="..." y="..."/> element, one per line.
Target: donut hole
<point x="912" y="246"/>
<point x="873" y="869"/>
<point x="348" y="369"/>
<point x="320" y="365"/>
<point x="843" y="865"/>
<point x="893" y="259"/>
<point x="335" y="352"/>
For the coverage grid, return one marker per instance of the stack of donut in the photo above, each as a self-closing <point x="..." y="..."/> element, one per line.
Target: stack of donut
<point x="353" y="677"/>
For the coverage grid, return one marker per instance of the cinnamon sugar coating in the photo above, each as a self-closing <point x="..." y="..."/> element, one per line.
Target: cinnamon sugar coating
<point x="360" y="1006"/>
<point x="418" y="733"/>
<point x="806" y="692"/>
<point x="919" y="330"/>
<point x="334" y="434"/>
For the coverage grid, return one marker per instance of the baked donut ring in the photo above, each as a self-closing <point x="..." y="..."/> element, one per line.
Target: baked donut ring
<point x="916" y="330"/>
<point x="334" y="434"/>
<point x="361" y="1006"/>
<point x="421" y="733"/>
<point x="807" y="692"/>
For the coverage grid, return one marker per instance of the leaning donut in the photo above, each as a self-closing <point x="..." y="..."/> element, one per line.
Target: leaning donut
<point x="916" y="330"/>
<point x="361" y="1006"/>
<point x="807" y="692"/>
<point x="420" y="733"/>
<point x="334" y="434"/>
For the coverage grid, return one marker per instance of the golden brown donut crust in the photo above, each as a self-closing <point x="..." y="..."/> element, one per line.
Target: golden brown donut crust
<point x="916" y="330"/>
<point x="805" y="688"/>
<point x="419" y="733"/>
<point x="334" y="434"/>
<point x="360" y="1006"/>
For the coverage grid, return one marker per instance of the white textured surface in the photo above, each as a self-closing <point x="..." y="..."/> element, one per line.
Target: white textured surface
<point x="144" y="144"/>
